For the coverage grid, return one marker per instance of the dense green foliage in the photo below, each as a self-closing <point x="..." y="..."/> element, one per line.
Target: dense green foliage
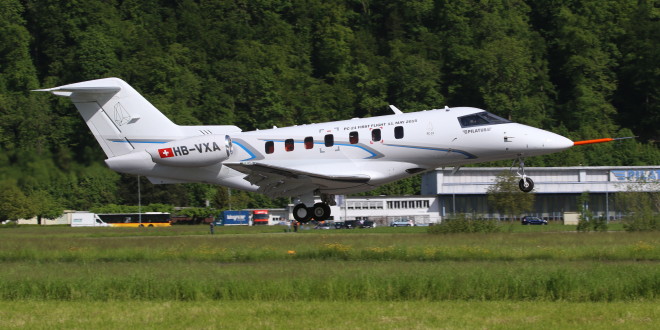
<point x="585" y="69"/>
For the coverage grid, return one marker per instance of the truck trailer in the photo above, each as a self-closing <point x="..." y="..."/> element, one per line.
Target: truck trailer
<point x="233" y="218"/>
<point x="86" y="219"/>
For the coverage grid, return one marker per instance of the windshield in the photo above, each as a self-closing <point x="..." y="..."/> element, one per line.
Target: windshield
<point x="481" y="119"/>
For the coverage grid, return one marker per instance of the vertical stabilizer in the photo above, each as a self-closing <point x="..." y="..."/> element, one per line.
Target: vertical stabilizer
<point x="118" y="116"/>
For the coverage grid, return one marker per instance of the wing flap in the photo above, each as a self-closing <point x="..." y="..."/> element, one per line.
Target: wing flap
<point x="292" y="173"/>
<point x="280" y="181"/>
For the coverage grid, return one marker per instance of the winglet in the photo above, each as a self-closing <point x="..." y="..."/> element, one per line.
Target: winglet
<point x="577" y="143"/>
<point x="395" y="110"/>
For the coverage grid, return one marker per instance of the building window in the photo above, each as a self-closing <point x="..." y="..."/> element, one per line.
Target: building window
<point x="329" y="140"/>
<point x="398" y="132"/>
<point x="375" y="135"/>
<point x="353" y="137"/>
<point x="309" y="142"/>
<point x="288" y="144"/>
<point x="270" y="147"/>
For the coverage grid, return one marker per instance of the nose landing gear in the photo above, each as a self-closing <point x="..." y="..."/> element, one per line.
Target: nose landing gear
<point x="526" y="184"/>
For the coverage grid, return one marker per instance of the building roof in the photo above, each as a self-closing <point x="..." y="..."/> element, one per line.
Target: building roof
<point x="574" y="179"/>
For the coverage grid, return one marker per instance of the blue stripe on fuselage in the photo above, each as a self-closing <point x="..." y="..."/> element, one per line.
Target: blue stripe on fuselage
<point x="464" y="153"/>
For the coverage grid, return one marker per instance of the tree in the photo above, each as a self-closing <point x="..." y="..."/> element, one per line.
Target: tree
<point x="506" y="197"/>
<point x="198" y="213"/>
<point x="641" y="202"/>
<point x="14" y="204"/>
<point x="44" y="206"/>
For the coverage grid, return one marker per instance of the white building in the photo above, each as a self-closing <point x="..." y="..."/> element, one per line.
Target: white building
<point x="556" y="188"/>
<point x="64" y="219"/>
<point x="383" y="210"/>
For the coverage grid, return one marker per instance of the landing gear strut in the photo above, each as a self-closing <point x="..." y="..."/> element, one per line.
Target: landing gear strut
<point x="525" y="184"/>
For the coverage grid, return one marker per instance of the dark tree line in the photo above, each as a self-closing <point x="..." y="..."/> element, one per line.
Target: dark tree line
<point x="584" y="69"/>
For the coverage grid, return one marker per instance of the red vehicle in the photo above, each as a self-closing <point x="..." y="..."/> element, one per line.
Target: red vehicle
<point x="260" y="217"/>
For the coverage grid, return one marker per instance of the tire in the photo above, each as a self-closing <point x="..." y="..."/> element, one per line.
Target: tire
<point x="301" y="213"/>
<point x="526" y="185"/>
<point x="321" y="211"/>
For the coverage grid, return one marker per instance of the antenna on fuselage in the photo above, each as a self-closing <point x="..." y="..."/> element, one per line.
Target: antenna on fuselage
<point x="395" y="110"/>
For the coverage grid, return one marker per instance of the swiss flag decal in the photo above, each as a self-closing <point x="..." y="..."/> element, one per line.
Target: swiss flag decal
<point x="165" y="152"/>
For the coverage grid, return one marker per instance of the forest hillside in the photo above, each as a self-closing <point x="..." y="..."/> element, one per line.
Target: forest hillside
<point x="584" y="69"/>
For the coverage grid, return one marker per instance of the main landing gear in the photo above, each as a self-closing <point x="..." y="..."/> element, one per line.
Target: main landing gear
<point x="525" y="184"/>
<point x="319" y="211"/>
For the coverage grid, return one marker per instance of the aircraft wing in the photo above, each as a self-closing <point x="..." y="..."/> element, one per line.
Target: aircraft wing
<point x="277" y="181"/>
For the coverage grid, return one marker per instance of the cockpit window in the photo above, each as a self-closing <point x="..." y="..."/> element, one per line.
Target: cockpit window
<point x="481" y="119"/>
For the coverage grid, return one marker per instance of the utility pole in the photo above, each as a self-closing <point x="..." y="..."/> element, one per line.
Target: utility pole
<point x="139" y="202"/>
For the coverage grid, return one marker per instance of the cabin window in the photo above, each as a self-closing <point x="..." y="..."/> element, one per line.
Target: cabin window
<point x="270" y="147"/>
<point x="398" y="132"/>
<point x="375" y="135"/>
<point x="309" y="142"/>
<point x="329" y="140"/>
<point x="288" y="144"/>
<point x="353" y="137"/>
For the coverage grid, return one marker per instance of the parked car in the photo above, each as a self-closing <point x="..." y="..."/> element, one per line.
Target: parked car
<point x="352" y="224"/>
<point x="401" y="223"/>
<point x="533" y="221"/>
<point x="324" y="225"/>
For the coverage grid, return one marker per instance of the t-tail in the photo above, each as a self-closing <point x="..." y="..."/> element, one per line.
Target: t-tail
<point x="119" y="117"/>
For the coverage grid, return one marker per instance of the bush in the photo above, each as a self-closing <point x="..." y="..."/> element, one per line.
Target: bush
<point x="644" y="222"/>
<point x="463" y="223"/>
<point x="9" y="224"/>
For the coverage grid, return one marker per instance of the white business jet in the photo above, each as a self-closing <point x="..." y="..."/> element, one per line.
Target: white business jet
<point x="304" y="161"/>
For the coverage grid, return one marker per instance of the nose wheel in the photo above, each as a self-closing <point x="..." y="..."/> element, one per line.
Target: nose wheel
<point x="526" y="184"/>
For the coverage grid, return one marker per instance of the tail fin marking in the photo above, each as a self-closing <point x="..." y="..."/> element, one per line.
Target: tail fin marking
<point x="118" y="116"/>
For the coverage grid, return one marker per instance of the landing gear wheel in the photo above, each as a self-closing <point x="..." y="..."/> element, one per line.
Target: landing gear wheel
<point x="526" y="184"/>
<point x="301" y="213"/>
<point x="321" y="211"/>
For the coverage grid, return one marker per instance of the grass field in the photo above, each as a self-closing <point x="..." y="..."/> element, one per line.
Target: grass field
<point x="247" y="277"/>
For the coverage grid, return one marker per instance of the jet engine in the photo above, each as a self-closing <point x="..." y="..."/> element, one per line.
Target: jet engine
<point x="193" y="152"/>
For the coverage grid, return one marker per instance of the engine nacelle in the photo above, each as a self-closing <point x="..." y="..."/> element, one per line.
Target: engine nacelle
<point x="193" y="152"/>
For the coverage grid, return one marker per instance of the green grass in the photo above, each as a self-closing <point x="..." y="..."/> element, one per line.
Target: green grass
<point x="267" y="275"/>
<point x="327" y="315"/>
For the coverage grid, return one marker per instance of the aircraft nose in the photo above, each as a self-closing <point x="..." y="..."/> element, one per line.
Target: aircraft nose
<point x="555" y="142"/>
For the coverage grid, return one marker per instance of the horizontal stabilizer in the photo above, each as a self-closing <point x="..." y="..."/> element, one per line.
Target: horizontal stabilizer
<point x="81" y="89"/>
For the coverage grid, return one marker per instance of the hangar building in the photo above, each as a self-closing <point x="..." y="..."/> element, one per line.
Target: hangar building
<point x="557" y="190"/>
